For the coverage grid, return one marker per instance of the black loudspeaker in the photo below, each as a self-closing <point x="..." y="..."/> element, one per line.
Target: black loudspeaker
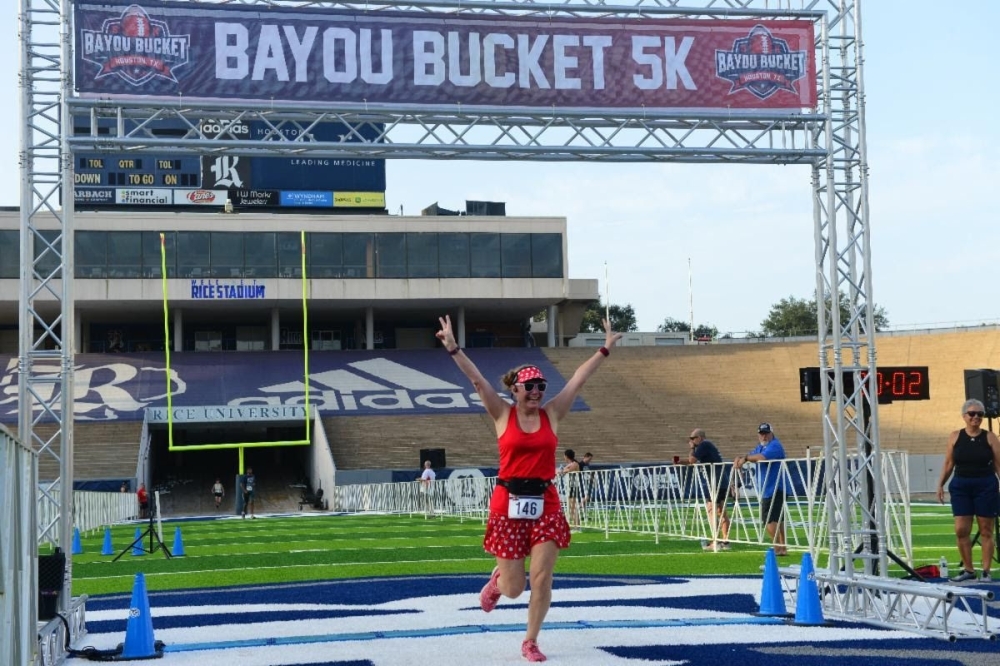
<point x="436" y="456"/>
<point x="984" y="385"/>
<point x="51" y="575"/>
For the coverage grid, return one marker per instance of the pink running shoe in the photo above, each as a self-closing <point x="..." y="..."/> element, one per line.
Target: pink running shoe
<point x="490" y="595"/>
<point x="530" y="651"/>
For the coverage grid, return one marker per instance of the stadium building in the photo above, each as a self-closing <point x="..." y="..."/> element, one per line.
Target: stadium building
<point x="234" y="299"/>
<point x="202" y="256"/>
<point x="234" y="281"/>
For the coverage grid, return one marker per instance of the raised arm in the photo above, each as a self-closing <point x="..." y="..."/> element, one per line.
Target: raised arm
<point x="494" y="404"/>
<point x="558" y="407"/>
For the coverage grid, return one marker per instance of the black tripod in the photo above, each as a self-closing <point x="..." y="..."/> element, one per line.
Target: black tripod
<point x="155" y="543"/>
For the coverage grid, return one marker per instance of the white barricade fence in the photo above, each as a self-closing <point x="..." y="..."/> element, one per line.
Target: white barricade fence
<point x="464" y="496"/>
<point x="664" y="500"/>
<point x="18" y="551"/>
<point x="92" y="510"/>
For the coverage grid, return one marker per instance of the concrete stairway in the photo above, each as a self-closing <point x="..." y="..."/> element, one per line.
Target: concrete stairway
<point x="394" y="442"/>
<point x="102" y="450"/>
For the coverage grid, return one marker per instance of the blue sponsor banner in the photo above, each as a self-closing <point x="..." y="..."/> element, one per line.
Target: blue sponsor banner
<point x="305" y="172"/>
<point x="444" y="473"/>
<point x="307" y="199"/>
<point x="341" y="56"/>
<point x="111" y="387"/>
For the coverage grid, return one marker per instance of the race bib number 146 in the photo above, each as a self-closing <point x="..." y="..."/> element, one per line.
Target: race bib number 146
<point x="525" y="508"/>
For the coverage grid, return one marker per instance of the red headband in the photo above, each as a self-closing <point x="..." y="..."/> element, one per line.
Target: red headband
<point x="529" y="373"/>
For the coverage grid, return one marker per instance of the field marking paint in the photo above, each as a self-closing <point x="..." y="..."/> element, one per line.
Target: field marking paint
<point x="468" y="629"/>
<point x="330" y="565"/>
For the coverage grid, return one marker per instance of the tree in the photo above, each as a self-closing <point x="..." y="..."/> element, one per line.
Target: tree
<point x="622" y="318"/>
<point x="790" y="316"/>
<point x="671" y="325"/>
<point x="793" y="316"/>
<point x="703" y="331"/>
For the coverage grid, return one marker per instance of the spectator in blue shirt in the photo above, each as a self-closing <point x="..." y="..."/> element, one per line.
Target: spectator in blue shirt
<point x="772" y="489"/>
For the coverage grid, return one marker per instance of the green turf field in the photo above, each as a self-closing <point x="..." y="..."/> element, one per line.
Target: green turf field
<point x="317" y="546"/>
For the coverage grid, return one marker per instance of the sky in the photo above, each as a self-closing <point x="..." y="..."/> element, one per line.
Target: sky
<point x="747" y="231"/>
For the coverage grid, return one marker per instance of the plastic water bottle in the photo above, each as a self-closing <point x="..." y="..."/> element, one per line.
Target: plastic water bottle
<point x="943" y="567"/>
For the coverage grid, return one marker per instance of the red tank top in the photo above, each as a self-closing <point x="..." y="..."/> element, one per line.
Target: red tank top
<point x="525" y="455"/>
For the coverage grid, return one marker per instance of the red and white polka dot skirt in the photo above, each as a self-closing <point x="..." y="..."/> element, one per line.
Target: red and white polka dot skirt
<point x="512" y="539"/>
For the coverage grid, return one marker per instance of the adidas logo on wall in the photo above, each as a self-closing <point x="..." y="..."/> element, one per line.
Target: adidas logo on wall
<point x="122" y="387"/>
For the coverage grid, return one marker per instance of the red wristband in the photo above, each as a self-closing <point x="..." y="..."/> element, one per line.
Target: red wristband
<point x="454" y="351"/>
<point x="604" y="350"/>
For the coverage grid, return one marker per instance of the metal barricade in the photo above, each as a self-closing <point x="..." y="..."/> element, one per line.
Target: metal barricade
<point x="18" y="551"/>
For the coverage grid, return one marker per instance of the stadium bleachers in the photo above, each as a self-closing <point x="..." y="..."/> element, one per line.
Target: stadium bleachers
<point x="643" y="403"/>
<point x="394" y="442"/>
<point x="102" y="450"/>
<point x="646" y="400"/>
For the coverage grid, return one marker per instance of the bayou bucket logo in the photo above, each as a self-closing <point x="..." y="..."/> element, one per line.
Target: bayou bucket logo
<point x="760" y="64"/>
<point x="135" y="47"/>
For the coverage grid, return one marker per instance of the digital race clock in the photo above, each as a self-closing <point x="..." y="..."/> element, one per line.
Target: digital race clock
<point x="902" y="383"/>
<point x="908" y="382"/>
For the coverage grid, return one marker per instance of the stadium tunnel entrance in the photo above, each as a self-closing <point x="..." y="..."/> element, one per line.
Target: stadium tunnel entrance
<point x="184" y="479"/>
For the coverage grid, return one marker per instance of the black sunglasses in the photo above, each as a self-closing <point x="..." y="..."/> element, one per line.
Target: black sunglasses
<point x="531" y="386"/>
<point x="693" y="437"/>
<point x="973" y="415"/>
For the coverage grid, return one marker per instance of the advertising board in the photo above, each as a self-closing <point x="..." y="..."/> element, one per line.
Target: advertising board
<point x="103" y="180"/>
<point x="314" y="54"/>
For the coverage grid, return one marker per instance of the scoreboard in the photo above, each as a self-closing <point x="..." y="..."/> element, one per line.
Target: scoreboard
<point x="103" y="170"/>
<point x="118" y="179"/>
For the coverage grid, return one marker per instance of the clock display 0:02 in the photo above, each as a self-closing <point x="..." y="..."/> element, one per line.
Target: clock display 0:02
<point x="903" y="383"/>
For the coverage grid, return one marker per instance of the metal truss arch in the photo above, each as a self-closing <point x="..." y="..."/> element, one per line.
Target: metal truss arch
<point x="831" y="139"/>
<point x="476" y="134"/>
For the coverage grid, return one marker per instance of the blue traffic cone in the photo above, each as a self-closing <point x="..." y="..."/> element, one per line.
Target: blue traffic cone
<point x="107" y="548"/>
<point x="772" y="598"/>
<point x="137" y="548"/>
<point x="808" y="609"/>
<point x="139" y="643"/>
<point x="77" y="546"/>
<point x="178" y="550"/>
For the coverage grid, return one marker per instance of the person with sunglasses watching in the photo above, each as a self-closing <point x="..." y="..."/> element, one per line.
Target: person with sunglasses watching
<point x="715" y="476"/>
<point x="526" y="519"/>
<point x="973" y="454"/>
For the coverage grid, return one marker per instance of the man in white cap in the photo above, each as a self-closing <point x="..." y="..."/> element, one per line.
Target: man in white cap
<point x="769" y="483"/>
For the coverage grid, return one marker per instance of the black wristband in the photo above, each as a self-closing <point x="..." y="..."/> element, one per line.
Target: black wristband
<point x="604" y="350"/>
<point x="454" y="351"/>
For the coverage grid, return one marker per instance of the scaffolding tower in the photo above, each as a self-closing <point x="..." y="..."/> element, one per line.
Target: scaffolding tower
<point x="829" y="138"/>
